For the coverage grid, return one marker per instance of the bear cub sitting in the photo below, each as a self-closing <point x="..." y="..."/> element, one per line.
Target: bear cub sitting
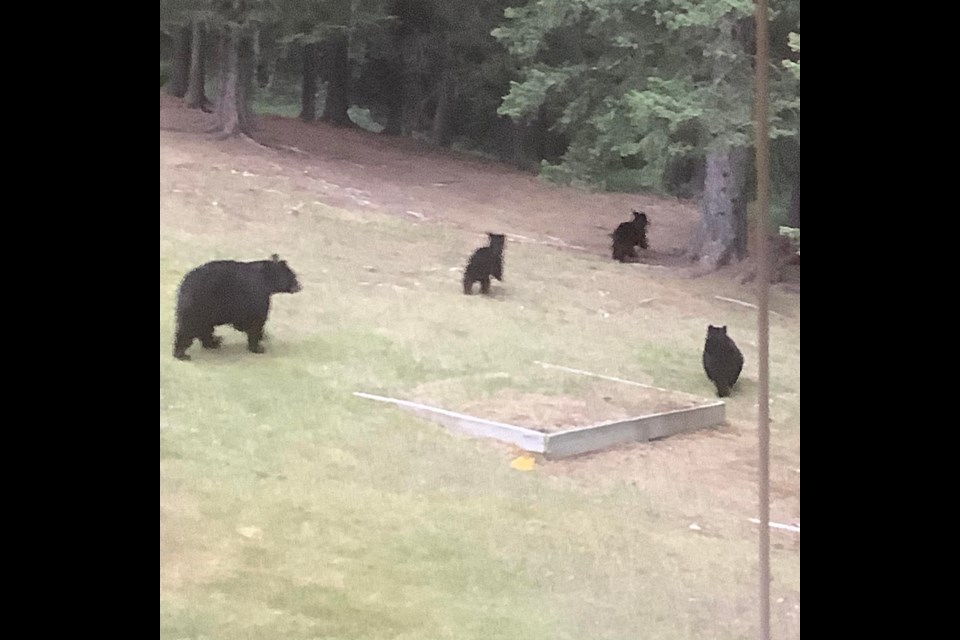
<point x="485" y="262"/>
<point x="628" y="235"/>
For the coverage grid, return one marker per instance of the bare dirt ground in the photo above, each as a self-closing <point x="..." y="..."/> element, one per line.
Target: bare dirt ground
<point x="595" y="402"/>
<point x="353" y="169"/>
<point x="403" y="176"/>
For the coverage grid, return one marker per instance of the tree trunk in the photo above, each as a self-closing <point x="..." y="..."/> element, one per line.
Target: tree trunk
<point x="196" y="96"/>
<point x="233" y="113"/>
<point x="393" y="88"/>
<point x="181" y="62"/>
<point x="411" y="84"/>
<point x="508" y="137"/>
<point x="337" y="66"/>
<point x="266" y="58"/>
<point x="412" y="99"/>
<point x="440" y="131"/>
<point x="793" y="216"/>
<point x="247" y="68"/>
<point x="308" y="92"/>
<point x="722" y="233"/>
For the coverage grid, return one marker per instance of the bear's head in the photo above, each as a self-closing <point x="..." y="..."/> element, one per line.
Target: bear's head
<point x="640" y="219"/>
<point x="280" y="277"/>
<point x="496" y="241"/>
<point x="716" y="332"/>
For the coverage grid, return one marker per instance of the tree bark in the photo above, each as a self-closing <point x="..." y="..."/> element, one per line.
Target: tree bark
<point x="412" y="92"/>
<point x="196" y="95"/>
<point x="266" y="57"/>
<point x="233" y="113"/>
<point x="308" y="91"/>
<point x="440" y="131"/>
<point x="180" y="72"/>
<point x="337" y="66"/>
<point x="247" y="68"/>
<point x="394" y="90"/>
<point x="722" y="233"/>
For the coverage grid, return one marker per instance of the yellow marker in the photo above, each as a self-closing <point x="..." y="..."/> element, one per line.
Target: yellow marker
<point x="523" y="463"/>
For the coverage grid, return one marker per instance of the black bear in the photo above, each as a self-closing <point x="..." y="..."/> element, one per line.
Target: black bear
<point x="485" y="262"/>
<point x="229" y="292"/>
<point x="628" y="235"/>
<point x="722" y="359"/>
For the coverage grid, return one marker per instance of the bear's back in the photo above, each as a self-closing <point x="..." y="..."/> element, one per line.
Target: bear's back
<point x="222" y="289"/>
<point x="722" y="358"/>
<point x="486" y="261"/>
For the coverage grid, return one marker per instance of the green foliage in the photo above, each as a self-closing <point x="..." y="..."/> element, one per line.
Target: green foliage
<point x="626" y="90"/>
<point x="794" y="235"/>
<point x="638" y="85"/>
<point x="525" y="97"/>
<point x="316" y="21"/>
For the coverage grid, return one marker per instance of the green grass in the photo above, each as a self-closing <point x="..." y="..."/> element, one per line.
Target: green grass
<point x="291" y="509"/>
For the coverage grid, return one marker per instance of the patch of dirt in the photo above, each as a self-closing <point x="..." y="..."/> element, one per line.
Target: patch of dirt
<point x="354" y="168"/>
<point x="593" y="402"/>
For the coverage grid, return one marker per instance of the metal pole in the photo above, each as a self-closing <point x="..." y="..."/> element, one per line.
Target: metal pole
<point x="761" y="113"/>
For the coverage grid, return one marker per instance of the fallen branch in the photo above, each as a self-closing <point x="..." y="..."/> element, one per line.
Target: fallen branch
<point x="745" y="304"/>
<point x="777" y="525"/>
<point x="613" y="379"/>
<point x="734" y="301"/>
<point x="556" y="242"/>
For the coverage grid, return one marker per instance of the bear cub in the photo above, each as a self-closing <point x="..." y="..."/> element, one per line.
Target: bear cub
<point x="722" y="359"/>
<point x="485" y="262"/>
<point x="628" y="235"/>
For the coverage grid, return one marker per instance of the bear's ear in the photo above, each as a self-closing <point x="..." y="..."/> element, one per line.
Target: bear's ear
<point x="275" y="258"/>
<point x="724" y="329"/>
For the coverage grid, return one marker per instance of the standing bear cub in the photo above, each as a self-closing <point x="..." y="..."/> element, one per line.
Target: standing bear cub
<point x="485" y="262"/>
<point x="628" y="235"/>
<point x="229" y="292"/>
<point x="722" y="359"/>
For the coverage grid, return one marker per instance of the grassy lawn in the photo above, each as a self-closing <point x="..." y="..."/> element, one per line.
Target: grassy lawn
<point x="291" y="509"/>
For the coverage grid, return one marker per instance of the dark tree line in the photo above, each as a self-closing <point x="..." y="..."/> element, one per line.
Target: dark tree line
<point x="638" y="94"/>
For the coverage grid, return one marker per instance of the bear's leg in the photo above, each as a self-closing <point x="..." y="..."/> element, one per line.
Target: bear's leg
<point x="467" y="285"/>
<point x="180" y="346"/>
<point x="620" y="252"/>
<point x="254" y="336"/>
<point x="485" y="284"/>
<point x="210" y="341"/>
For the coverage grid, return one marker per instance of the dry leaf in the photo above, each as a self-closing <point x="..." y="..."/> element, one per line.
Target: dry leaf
<point x="523" y="463"/>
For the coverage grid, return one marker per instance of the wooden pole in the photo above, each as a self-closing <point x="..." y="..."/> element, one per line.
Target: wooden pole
<point x="761" y="113"/>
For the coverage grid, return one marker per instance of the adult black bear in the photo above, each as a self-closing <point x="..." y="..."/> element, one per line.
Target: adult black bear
<point x="722" y="359"/>
<point x="229" y="292"/>
<point x="485" y="262"/>
<point x="628" y="235"/>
